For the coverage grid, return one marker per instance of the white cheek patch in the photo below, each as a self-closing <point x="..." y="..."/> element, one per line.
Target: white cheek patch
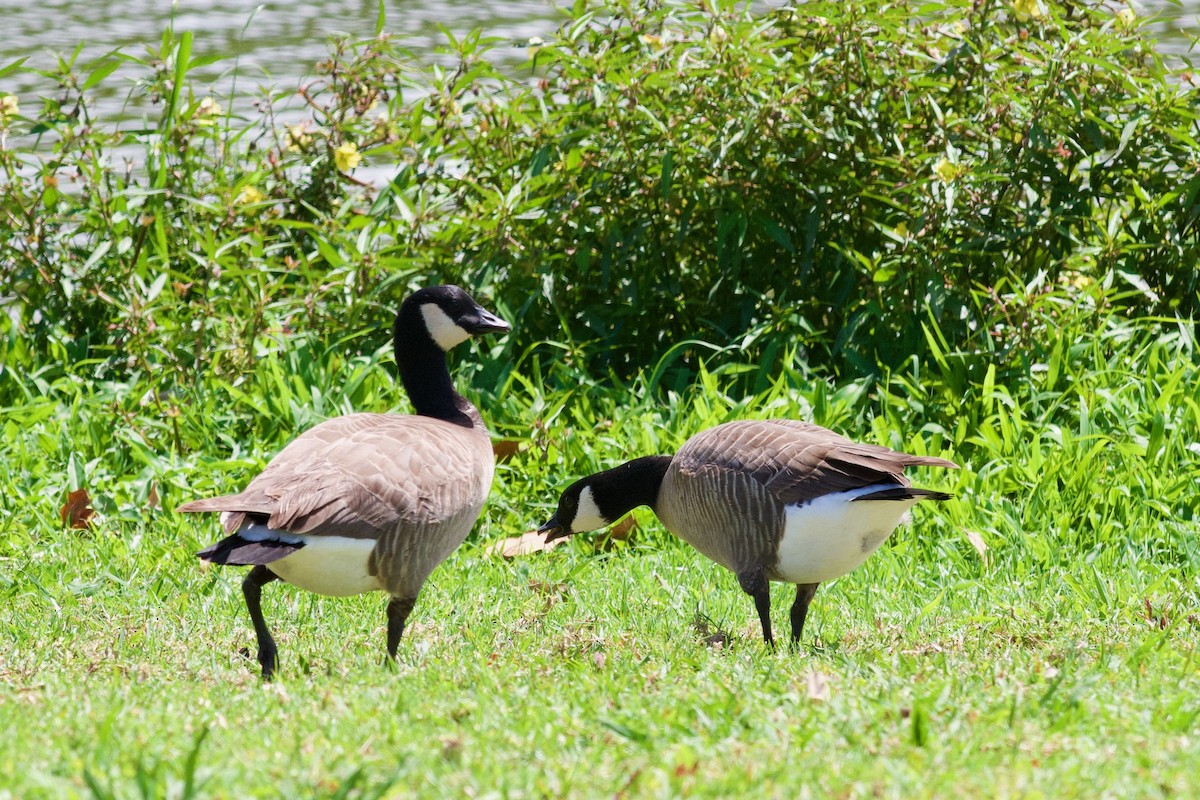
<point x="445" y="332"/>
<point x="588" y="516"/>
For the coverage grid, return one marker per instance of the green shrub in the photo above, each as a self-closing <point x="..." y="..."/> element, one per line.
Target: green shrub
<point x="828" y="177"/>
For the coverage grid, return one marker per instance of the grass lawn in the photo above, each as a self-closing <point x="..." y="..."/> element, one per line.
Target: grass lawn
<point x="955" y="229"/>
<point x="638" y="672"/>
<point x="1061" y="662"/>
<point x="1036" y="636"/>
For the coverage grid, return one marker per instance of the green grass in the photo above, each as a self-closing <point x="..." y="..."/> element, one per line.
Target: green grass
<point x="581" y="675"/>
<point x="1064" y="663"/>
<point x="167" y="333"/>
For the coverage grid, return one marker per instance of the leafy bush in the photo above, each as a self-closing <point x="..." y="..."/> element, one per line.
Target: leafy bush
<point x="828" y="177"/>
<point x="834" y="173"/>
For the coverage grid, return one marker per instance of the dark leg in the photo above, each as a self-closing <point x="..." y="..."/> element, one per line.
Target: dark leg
<point x="259" y="577"/>
<point x="754" y="583"/>
<point x="398" y="609"/>
<point x="804" y="596"/>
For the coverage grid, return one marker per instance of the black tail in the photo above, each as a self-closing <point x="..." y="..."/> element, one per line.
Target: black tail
<point x="905" y="493"/>
<point x="236" y="551"/>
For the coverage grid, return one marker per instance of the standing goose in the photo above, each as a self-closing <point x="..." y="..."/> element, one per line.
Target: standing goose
<point x="770" y="500"/>
<point x="370" y="501"/>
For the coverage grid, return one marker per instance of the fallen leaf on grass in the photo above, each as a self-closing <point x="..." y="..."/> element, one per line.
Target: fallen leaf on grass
<point x="452" y="748"/>
<point x="980" y="546"/>
<point x="534" y="542"/>
<point x="504" y="449"/>
<point x="523" y="545"/>
<point x="818" y="686"/>
<point x="711" y="635"/>
<point x="551" y="593"/>
<point x="546" y="589"/>
<point x="620" y="532"/>
<point x="623" y="529"/>
<point x="77" y="512"/>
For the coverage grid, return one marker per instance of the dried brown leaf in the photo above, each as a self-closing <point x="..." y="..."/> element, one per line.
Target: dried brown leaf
<point x="547" y="589"/>
<point x="711" y="635"/>
<point x="818" y="686"/>
<point x="523" y="545"/>
<point x="623" y="529"/>
<point x="504" y="449"/>
<point x="552" y="593"/>
<point x="980" y="546"/>
<point x="77" y="512"/>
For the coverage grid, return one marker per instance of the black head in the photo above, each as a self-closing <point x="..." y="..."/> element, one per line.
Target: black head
<point x="601" y="499"/>
<point x="577" y="511"/>
<point x="449" y="315"/>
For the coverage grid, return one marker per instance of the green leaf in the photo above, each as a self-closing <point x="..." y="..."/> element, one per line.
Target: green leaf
<point x="12" y="67"/>
<point x="380" y="17"/>
<point x="106" y="68"/>
<point x="664" y="181"/>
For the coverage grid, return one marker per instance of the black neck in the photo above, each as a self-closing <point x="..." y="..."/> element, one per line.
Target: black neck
<point x="425" y="376"/>
<point x="635" y="483"/>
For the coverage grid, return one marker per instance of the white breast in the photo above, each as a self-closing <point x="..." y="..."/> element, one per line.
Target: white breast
<point x="832" y="535"/>
<point x="328" y="565"/>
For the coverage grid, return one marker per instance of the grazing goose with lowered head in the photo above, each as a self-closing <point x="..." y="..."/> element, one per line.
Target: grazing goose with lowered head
<point x="370" y="501"/>
<point x="769" y="500"/>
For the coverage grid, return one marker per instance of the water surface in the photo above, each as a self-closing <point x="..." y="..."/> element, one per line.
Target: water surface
<point x="275" y="43"/>
<point x="278" y="43"/>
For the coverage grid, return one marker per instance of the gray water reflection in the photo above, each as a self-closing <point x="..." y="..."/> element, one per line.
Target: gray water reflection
<point x="277" y="43"/>
<point x="274" y="43"/>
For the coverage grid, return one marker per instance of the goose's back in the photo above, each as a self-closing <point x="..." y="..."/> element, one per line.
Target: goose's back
<point x="728" y="488"/>
<point x="414" y="484"/>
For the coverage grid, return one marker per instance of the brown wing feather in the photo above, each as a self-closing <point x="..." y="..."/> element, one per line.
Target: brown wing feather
<point x="364" y="474"/>
<point x="798" y="461"/>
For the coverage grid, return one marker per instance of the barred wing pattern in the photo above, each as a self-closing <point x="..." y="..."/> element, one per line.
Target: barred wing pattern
<point x="373" y="476"/>
<point x="797" y="461"/>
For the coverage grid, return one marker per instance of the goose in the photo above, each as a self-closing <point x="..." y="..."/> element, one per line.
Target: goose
<point x="369" y="502"/>
<point x="769" y="500"/>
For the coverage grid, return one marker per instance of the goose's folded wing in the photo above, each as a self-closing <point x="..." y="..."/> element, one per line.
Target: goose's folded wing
<point x="347" y="478"/>
<point x="798" y="461"/>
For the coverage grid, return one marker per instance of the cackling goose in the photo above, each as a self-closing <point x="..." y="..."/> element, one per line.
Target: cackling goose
<point x="370" y="501"/>
<point x="770" y="500"/>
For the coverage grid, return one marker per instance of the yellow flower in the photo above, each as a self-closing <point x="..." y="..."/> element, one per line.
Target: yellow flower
<point x="1126" y="18"/>
<point x="1028" y="9"/>
<point x="297" y="138"/>
<point x="250" y="195"/>
<point x="9" y="107"/>
<point x="1077" y="280"/>
<point x="945" y="169"/>
<point x="347" y="157"/>
<point x="208" y="108"/>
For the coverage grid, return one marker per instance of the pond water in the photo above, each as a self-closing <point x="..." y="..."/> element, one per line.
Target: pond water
<point x="277" y="43"/>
